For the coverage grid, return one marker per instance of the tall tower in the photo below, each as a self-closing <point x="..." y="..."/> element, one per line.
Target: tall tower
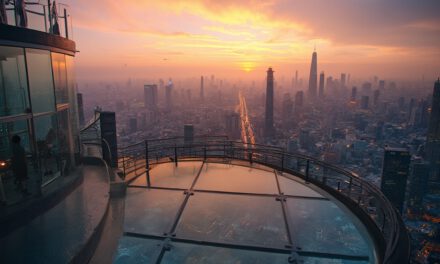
<point x="313" y="79"/>
<point x="394" y="175"/>
<point x="321" y="85"/>
<point x="202" y="92"/>
<point x="433" y="139"/>
<point x="168" y="96"/>
<point x="268" y="120"/>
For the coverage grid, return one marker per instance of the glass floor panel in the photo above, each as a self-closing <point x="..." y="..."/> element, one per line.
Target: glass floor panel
<point x="170" y="176"/>
<point x="313" y="260"/>
<point x="238" y="219"/>
<point x="198" y="254"/>
<point x="292" y="187"/>
<point x="150" y="211"/>
<point x="136" y="250"/>
<point x="235" y="178"/>
<point x="321" y="226"/>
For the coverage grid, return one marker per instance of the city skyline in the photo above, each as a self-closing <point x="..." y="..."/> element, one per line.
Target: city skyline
<point x="241" y="39"/>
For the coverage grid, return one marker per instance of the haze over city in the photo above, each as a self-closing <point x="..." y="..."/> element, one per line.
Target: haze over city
<point x="397" y="39"/>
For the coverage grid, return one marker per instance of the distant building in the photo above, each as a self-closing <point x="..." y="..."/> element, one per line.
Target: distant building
<point x="268" y="120"/>
<point x="381" y="85"/>
<point x="353" y="93"/>
<point x="433" y="139"/>
<point x="313" y="79"/>
<point x="150" y="96"/>
<point x="343" y="80"/>
<point x="376" y="95"/>
<point x="168" y="95"/>
<point x="233" y="125"/>
<point x="202" y="89"/>
<point x="366" y="88"/>
<point x="395" y="175"/>
<point x="287" y="108"/>
<point x="364" y="102"/>
<point x="321" y="84"/>
<point x="80" y="109"/>
<point x="188" y="133"/>
<point x="132" y="125"/>
<point x="418" y="186"/>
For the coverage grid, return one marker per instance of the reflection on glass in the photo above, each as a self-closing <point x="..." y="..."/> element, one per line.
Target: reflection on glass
<point x="65" y="141"/>
<point x="321" y="226"/>
<point x="314" y="260"/>
<point x="60" y="78"/>
<point x="47" y="145"/>
<point x="235" y="178"/>
<point x="292" y="187"/>
<point x="136" y="250"/>
<point x="150" y="211"/>
<point x="73" y="104"/>
<point x="40" y="80"/>
<point x="13" y="85"/>
<point x="196" y="254"/>
<point x="233" y="218"/>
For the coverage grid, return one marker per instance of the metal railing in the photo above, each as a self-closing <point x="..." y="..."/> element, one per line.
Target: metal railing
<point x="39" y="16"/>
<point x="136" y="160"/>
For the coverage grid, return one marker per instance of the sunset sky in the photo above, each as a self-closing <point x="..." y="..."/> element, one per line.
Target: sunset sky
<point x="389" y="38"/>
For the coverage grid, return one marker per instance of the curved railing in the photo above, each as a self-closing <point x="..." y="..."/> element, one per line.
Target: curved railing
<point x="135" y="160"/>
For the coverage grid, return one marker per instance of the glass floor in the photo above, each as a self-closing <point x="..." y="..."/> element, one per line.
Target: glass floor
<point x="207" y="212"/>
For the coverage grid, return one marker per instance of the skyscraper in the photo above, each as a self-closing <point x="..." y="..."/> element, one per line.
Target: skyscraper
<point x="202" y="91"/>
<point x="150" y="96"/>
<point x="313" y="79"/>
<point x="168" y="96"/>
<point x="395" y="174"/>
<point x="80" y="103"/>
<point x="433" y="139"/>
<point x="343" y="80"/>
<point x="232" y="125"/>
<point x="321" y="85"/>
<point x="268" y="120"/>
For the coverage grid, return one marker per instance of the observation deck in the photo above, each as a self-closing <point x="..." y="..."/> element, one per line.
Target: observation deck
<point x="211" y="200"/>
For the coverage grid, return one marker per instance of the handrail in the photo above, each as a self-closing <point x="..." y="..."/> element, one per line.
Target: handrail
<point x="364" y="194"/>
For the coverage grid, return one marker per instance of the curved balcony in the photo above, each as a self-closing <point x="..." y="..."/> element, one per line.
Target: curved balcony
<point x="362" y="198"/>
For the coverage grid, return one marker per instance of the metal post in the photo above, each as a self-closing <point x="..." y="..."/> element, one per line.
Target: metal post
<point x="123" y="165"/>
<point x="349" y="186"/>
<point x="147" y="164"/>
<point x="45" y="20"/>
<point x="307" y="170"/>
<point x="65" y="23"/>
<point x="204" y="153"/>
<point x="15" y="13"/>
<point x="282" y="161"/>
<point x="250" y="157"/>
<point x="175" y="155"/>
<point x="49" y="16"/>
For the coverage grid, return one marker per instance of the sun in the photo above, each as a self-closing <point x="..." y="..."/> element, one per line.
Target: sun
<point x="247" y="66"/>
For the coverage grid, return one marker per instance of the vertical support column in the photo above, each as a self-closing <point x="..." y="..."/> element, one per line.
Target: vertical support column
<point x="108" y="134"/>
<point x="147" y="164"/>
<point x="307" y="170"/>
<point x="65" y="23"/>
<point x="49" y="16"/>
<point x="175" y="155"/>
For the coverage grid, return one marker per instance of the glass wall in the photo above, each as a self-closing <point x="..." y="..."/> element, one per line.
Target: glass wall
<point x="37" y="104"/>
<point x="13" y="84"/>
<point x="40" y="80"/>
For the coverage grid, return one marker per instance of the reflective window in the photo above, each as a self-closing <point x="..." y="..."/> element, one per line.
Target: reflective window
<point x="60" y="78"/>
<point x="72" y="91"/>
<point x="65" y="141"/>
<point x="40" y="80"/>
<point x="13" y="85"/>
<point x="48" y="148"/>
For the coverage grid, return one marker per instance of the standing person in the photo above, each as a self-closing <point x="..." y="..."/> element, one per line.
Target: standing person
<point x="55" y="26"/>
<point x="20" y="11"/>
<point x="19" y="167"/>
<point x="3" y="18"/>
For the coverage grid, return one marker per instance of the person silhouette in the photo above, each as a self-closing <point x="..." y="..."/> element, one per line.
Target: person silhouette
<point x="18" y="164"/>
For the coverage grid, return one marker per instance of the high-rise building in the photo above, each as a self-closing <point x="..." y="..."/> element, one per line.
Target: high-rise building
<point x="376" y="96"/>
<point x="233" y="125"/>
<point x="287" y="108"/>
<point x="202" y="89"/>
<point x="168" y="95"/>
<point x="80" y="103"/>
<point x="313" y="79"/>
<point x="418" y="186"/>
<point x="353" y="93"/>
<point x="321" y="85"/>
<point x="268" y="119"/>
<point x="299" y="102"/>
<point x="132" y="124"/>
<point x="381" y="84"/>
<point x="395" y="175"/>
<point x="433" y="139"/>
<point x="364" y="102"/>
<point x="150" y="96"/>
<point x="343" y="80"/>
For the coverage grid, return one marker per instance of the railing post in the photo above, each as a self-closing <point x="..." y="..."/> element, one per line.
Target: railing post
<point x="123" y="165"/>
<point x="45" y="20"/>
<point x="250" y="157"/>
<point x="204" y="153"/>
<point x="65" y="23"/>
<point x="282" y="161"/>
<point x="307" y="170"/>
<point x="49" y="16"/>
<point x="147" y="164"/>
<point x="175" y="155"/>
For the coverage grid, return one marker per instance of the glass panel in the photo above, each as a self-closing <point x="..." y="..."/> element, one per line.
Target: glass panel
<point x="72" y="91"/>
<point x="65" y="141"/>
<point x="46" y="135"/>
<point x="13" y="84"/>
<point x="136" y="250"/>
<point x="314" y="260"/>
<point x="230" y="218"/>
<point x="168" y="175"/>
<point x="234" y="178"/>
<point x="40" y="80"/>
<point x="322" y="226"/>
<point x="194" y="254"/>
<point x="60" y="78"/>
<point x="292" y="187"/>
<point x="16" y="163"/>
<point x="149" y="211"/>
